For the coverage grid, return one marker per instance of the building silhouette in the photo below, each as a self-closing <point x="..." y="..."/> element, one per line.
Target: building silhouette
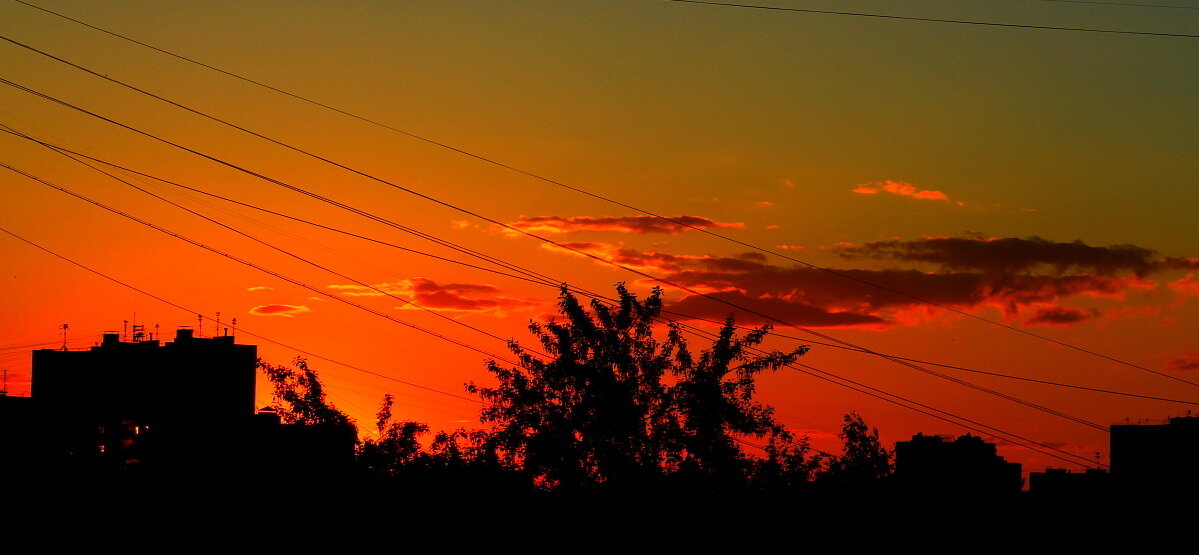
<point x="1061" y="484"/>
<point x="966" y="467"/>
<point x="1156" y="458"/>
<point x="183" y="409"/>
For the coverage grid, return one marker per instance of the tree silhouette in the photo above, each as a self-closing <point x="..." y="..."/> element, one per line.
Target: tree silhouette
<point x="300" y="396"/>
<point x="613" y="405"/>
<point x="864" y="459"/>
<point x="398" y="444"/>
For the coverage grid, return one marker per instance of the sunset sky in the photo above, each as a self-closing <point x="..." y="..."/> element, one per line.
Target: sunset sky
<point x="1040" y="179"/>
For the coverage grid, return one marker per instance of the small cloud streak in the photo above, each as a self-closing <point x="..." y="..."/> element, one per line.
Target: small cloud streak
<point x="902" y="189"/>
<point x="260" y="288"/>
<point x="623" y="224"/>
<point x="1188" y="286"/>
<point x="1188" y="361"/>
<point x="1060" y="316"/>
<point x="455" y="297"/>
<point x="285" y="310"/>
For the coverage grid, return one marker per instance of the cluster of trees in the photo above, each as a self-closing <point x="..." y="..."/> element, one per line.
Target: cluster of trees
<point x="609" y="405"/>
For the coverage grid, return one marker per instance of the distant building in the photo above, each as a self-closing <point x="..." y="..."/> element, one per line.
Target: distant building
<point x="966" y="466"/>
<point x="1156" y="458"/>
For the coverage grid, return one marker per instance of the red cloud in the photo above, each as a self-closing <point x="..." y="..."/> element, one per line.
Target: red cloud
<point x="624" y="224"/>
<point x="426" y="293"/>
<point x="285" y="310"/>
<point x="902" y="189"/>
<point x="617" y="253"/>
<point x="1188" y="286"/>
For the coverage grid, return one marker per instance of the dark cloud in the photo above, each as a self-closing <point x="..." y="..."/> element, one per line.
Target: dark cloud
<point x="790" y="311"/>
<point x="285" y="310"/>
<point x="1179" y="263"/>
<point x="811" y="296"/>
<point x="1011" y="254"/>
<point x="1060" y="316"/>
<point x="624" y="224"/>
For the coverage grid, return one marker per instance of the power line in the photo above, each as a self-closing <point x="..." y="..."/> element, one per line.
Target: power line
<point x="532" y="235"/>
<point x="958" y="381"/>
<point x="547" y="180"/>
<point x="932" y="19"/>
<point x="575" y="289"/>
<point x="521" y="231"/>
<point x="453" y="206"/>
<point x="1125" y="4"/>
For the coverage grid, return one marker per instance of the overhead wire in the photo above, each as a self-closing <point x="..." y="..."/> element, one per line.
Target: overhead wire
<point x="473" y="213"/>
<point x="502" y="224"/>
<point x="863" y="350"/>
<point x="551" y="181"/>
<point x="934" y="19"/>
<point x="1124" y="4"/>
<point x="693" y="291"/>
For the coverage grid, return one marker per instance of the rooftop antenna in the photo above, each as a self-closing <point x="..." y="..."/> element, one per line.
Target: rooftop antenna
<point x="200" y="328"/>
<point x="234" y="325"/>
<point x="155" y="332"/>
<point x="124" y="329"/>
<point x="218" y="322"/>
<point x="64" y="336"/>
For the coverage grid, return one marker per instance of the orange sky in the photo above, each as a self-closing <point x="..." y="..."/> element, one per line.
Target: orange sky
<point x="1039" y="179"/>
